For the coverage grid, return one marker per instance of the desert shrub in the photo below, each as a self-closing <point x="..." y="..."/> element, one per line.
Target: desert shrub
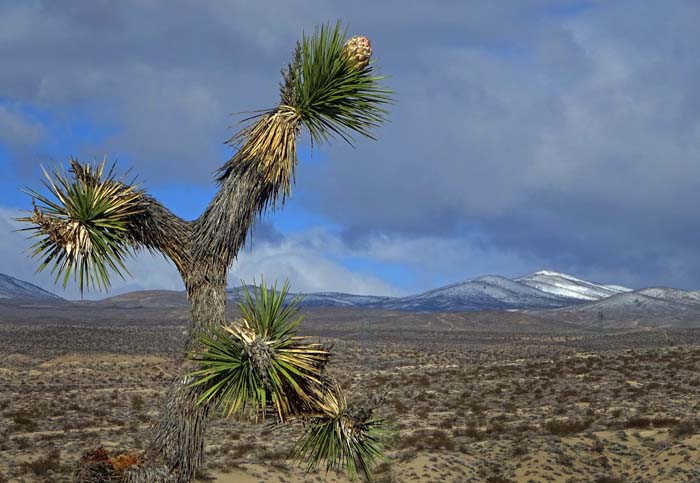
<point x="645" y="422"/>
<point x="609" y="479"/>
<point x="100" y="412"/>
<point x="425" y="439"/>
<point x="638" y="422"/>
<point x="407" y="455"/>
<point x="597" y="446"/>
<point x="519" y="448"/>
<point x="42" y="465"/>
<point x="685" y="428"/>
<point x="564" y="459"/>
<point x="564" y="427"/>
<point x="23" y="421"/>
<point x="439" y="439"/>
<point x="422" y="412"/>
<point x="491" y="473"/>
<point x="384" y="473"/>
<point x="274" y="454"/>
<point x="661" y="422"/>
<point x="399" y="406"/>
<point x="243" y="450"/>
<point x="469" y="431"/>
<point x="446" y="423"/>
<point x="23" y="443"/>
<point x="495" y="427"/>
<point x="124" y="461"/>
<point x="137" y="402"/>
<point x="97" y="465"/>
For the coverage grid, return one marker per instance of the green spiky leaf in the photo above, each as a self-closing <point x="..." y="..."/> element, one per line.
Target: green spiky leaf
<point x="81" y="225"/>
<point x="341" y="439"/>
<point x="258" y="364"/>
<point x="332" y="95"/>
<point x="323" y="89"/>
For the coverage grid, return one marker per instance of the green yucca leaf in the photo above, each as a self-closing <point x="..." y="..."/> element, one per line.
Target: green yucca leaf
<point x="323" y="90"/>
<point x="341" y="439"/>
<point x="258" y="365"/>
<point x="81" y="224"/>
<point x="331" y="95"/>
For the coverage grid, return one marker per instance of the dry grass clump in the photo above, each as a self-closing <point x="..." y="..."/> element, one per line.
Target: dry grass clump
<point x="685" y="428"/>
<point x="45" y="465"/>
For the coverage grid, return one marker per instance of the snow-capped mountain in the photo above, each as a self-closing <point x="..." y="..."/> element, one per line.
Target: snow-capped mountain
<point x="559" y="294"/>
<point x="484" y="293"/>
<point x="673" y="294"/>
<point x="13" y="288"/>
<point x="637" y="309"/>
<point x="564" y="285"/>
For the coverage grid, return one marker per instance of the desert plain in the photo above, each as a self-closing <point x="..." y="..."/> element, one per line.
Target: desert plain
<point x="468" y="397"/>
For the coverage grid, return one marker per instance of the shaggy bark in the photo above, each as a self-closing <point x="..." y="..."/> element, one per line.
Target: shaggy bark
<point x="203" y="250"/>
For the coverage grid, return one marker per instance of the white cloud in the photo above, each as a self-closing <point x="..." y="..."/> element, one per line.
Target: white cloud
<point x="306" y="260"/>
<point x="301" y="259"/>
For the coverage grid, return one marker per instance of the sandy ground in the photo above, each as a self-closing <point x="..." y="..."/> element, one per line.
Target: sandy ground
<point x="465" y="405"/>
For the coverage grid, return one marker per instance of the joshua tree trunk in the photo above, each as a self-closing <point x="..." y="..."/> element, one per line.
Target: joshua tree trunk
<point x="202" y="250"/>
<point x="177" y="441"/>
<point x="89" y="224"/>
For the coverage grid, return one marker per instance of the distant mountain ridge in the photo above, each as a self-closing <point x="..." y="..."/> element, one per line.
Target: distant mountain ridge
<point x="544" y="290"/>
<point x="540" y="290"/>
<point x="14" y="288"/>
<point x="484" y="293"/>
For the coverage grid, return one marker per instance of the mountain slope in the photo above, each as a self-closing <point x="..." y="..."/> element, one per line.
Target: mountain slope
<point x="484" y="293"/>
<point x="322" y="299"/>
<point x="564" y="285"/>
<point x="147" y="299"/>
<point x="13" y="288"/>
<point x="653" y="307"/>
<point x="672" y="294"/>
<point x="558" y="294"/>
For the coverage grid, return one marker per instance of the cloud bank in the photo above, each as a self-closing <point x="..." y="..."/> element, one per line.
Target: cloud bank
<point x="526" y="134"/>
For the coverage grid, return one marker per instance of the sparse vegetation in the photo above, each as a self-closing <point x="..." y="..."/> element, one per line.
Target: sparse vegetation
<point x="523" y="410"/>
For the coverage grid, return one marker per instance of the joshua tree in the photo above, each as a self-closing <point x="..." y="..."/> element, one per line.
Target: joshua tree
<point x="91" y="221"/>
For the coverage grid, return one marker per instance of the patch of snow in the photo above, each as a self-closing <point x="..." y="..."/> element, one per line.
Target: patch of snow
<point x="565" y="285"/>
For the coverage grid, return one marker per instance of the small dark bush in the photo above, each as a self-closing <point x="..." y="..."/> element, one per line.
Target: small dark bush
<point x="42" y="465"/>
<point x="564" y="427"/>
<point x="685" y="428"/>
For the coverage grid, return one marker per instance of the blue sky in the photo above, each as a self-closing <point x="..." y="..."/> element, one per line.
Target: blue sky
<point x="525" y="135"/>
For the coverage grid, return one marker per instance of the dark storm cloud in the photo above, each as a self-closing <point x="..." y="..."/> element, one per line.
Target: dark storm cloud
<point x="564" y="134"/>
<point x="162" y="78"/>
<point x="577" y="148"/>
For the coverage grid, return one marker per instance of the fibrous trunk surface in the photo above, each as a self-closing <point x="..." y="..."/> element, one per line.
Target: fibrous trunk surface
<point x="176" y="447"/>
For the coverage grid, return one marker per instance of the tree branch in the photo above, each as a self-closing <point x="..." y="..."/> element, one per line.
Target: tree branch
<point x="156" y="228"/>
<point x="222" y="229"/>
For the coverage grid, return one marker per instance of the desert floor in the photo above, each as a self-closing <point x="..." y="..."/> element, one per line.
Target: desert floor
<point x="481" y="397"/>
